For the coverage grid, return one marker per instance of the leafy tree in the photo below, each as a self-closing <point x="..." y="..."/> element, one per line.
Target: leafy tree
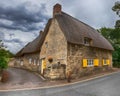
<point x="4" y="57"/>
<point x="113" y="36"/>
<point x="116" y="8"/>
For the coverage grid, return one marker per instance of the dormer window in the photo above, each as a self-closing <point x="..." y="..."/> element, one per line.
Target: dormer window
<point x="87" y="41"/>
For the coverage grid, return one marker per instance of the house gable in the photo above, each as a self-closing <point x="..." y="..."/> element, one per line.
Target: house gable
<point x="54" y="44"/>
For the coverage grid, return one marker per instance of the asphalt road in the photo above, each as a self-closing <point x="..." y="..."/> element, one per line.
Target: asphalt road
<point x="104" y="86"/>
<point x="19" y="78"/>
<point x="22" y="76"/>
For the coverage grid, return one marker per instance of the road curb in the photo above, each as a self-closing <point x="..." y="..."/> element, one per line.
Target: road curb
<point x="40" y="76"/>
<point x="62" y="85"/>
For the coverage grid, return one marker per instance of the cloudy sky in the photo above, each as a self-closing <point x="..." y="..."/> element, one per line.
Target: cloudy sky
<point x="21" y="20"/>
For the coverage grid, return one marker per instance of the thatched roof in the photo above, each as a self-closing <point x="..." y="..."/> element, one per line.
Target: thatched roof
<point x="75" y="31"/>
<point x="19" y="53"/>
<point x="36" y="44"/>
<point x="31" y="47"/>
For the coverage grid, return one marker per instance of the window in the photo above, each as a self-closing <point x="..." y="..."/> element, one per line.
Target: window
<point x="38" y="62"/>
<point x="106" y="61"/>
<point x="87" y="41"/>
<point x="30" y="61"/>
<point x="90" y="62"/>
<point x="21" y="63"/>
<point x="34" y="62"/>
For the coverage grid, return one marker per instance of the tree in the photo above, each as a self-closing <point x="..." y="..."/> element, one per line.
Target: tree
<point x="116" y="8"/>
<point x="4" y="57"/>
<point x="113" y="36"/>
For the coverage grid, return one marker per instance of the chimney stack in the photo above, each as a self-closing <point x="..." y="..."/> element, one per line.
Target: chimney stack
<point x="57" y="9"/>
<point x="40" y="33"/>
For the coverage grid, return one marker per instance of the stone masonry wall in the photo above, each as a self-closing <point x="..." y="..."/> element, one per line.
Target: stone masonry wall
<point x="54" y="45"/>
<point x="26" y="63"/>
<point x="76" y="53"/>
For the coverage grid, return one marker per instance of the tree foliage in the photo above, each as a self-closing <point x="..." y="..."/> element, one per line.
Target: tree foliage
<point x="116" y="8"/>
<point x="4" y="57"/>
<point x="113" y="36"/>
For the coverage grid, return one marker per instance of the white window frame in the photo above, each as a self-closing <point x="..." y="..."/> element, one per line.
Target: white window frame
<point x="35" y="62"/>
<point x="38" y="62"/>
<point x="21" y="63"/>
<point x="105" y="61"/>
<point x="90" y="62"/>
<point x="30" y="60"/>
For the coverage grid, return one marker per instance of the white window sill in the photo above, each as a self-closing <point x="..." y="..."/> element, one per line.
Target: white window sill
<point x="90" y="66"/>
<point x="105" y="64"/>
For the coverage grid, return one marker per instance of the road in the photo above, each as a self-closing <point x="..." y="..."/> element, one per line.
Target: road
<point x="19" y="78"/>
<point x="103" y="86"/>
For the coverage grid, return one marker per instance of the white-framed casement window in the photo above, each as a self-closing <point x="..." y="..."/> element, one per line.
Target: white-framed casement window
<point x="105" y="61"/>
<point x="30" y="60"/>
<point x="90" y="62"/>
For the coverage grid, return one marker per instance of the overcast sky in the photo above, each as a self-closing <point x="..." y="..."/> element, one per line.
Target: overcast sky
<point x="21" y="20"/>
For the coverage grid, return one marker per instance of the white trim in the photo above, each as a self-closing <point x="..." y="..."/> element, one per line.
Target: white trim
<point x="90" y="62"/>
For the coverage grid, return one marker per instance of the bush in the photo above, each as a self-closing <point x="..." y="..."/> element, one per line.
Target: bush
<point x="116" y="63"/>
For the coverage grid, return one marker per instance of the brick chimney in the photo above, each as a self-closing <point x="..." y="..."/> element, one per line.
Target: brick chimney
<point x="57" y="9"/>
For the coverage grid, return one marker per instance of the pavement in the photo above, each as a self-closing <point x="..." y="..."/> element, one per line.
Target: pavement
<point x="107" y="85"/>
<point x="20" y="78"/>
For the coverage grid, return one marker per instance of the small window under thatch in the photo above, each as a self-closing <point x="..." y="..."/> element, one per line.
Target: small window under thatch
<point x="87" y="41"/>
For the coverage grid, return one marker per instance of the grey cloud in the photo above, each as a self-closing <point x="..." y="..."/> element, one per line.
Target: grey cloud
<point x="15" y="41"/>
<point x="22" y="18"/>
<point x="14" y="44"/>
<point x="96" y="13"/>
<point x="2" y="35"/>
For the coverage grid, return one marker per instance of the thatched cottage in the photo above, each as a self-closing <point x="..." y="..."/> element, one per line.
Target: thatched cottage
<point x="28" y="57"/>
<point x="69" y="45"/>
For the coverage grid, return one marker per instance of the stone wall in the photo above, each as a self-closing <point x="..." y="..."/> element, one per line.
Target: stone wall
<point x="54" y="46"/>
<point x="28" y="61"/>
<point x="76" y="54"/>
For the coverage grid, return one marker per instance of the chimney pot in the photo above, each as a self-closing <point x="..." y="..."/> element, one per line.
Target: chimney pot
<point x="57" y="9"/>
